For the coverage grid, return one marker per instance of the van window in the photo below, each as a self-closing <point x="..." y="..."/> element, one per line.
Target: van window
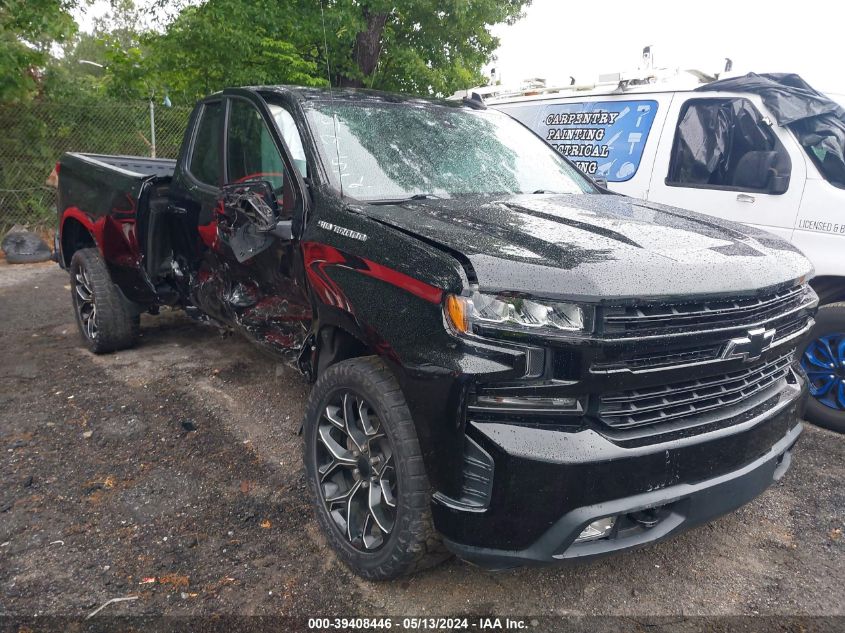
<point x="205" y="156"/>
<point x="251" y="153"/>
<point x="726" y="144"/>
<point x="602" y="138"/>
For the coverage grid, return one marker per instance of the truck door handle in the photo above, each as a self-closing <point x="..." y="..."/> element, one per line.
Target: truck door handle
<point x="744" y="197"/>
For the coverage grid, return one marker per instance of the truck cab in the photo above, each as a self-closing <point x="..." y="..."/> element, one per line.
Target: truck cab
<point x="724" y="149"/>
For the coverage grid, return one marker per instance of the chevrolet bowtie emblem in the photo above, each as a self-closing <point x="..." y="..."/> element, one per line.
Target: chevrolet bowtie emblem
<point x="750" y="347"/>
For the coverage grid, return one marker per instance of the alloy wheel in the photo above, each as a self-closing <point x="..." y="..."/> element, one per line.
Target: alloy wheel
<point x="824" y="363"/>
<point x="86" y="307"/>
<point x="355" y="468"/>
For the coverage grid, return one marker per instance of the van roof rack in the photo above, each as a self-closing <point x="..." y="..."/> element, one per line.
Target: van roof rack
<point x="662" y="79"/>
<point x="607" y="83"/>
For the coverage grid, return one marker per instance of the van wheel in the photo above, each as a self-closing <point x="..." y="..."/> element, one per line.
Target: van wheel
<point x="365" y="472"/>
<point x="105" y="319"/>
<point x="823" y="358"/>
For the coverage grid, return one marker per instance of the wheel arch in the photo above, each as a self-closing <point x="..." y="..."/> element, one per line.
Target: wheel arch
<point x="75" y="235"/>
<point x="334" y="343"/>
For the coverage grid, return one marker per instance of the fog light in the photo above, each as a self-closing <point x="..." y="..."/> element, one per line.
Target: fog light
<point x="597" y="529"/>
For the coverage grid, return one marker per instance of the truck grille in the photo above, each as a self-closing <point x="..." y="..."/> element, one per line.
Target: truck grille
<point x="786" y="328"/>
<point x="661" y="319"/>
<point x="638" y="407"/>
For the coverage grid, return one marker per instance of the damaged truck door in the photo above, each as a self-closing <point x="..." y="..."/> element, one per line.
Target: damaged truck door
<point x="252" y="262"/>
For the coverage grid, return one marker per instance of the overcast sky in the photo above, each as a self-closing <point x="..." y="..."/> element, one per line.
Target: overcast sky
<point x="559" y="38"/>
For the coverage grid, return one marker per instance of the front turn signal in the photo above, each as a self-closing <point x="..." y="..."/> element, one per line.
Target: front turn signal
<point x="457" y="313"/>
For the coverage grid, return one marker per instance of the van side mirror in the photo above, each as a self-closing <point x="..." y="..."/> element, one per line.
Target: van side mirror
<point x="601" y="181"/>
<point x="779" y="184"/>
<point x="759" y="170"/>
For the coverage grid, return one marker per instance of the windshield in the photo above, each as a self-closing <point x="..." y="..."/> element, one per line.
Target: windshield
<point x="398" y="150"/>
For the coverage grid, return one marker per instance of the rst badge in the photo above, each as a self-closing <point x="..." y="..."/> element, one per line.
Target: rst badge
<point x="750" y="347"/>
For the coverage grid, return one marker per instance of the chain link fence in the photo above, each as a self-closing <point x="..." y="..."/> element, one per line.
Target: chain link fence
<point x="33" y="136"/>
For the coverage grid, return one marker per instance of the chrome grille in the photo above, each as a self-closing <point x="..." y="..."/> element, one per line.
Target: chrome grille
<point x="678" y="400"/>
<point x="661" y="319"/>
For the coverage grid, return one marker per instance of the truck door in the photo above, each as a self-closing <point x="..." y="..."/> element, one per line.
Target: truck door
<point x="196" y="187"/>
<point x="258" y="259"/>
<point x="725" y="158"/>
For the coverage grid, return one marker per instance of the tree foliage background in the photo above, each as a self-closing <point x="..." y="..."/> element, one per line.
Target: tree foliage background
<point x="64" y="89"/>
<point x="425" y="47"/>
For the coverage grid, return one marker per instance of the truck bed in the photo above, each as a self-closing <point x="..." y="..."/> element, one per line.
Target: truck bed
<point x="113" y="199"/>
<point x="138" y="165"/>
<point x="100" y="185"/>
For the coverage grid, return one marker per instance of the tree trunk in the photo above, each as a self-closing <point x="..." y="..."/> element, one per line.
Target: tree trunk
<point x="367" y="48"/>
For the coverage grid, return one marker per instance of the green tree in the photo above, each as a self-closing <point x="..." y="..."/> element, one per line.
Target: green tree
<point x="211" y="46"/>
<point x="28" y="29"/>
<point x="427" y="47"/>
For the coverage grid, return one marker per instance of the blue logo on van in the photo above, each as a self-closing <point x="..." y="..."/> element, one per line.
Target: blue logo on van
<point x="602" y="138"/>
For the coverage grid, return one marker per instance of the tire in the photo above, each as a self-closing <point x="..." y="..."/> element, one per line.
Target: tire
<point x="825" y="346"/>
<point x="365" y="392"/>
<point x="105" y="318"/>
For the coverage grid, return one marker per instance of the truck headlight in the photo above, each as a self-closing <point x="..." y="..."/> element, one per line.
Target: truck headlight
<point x="512" y="313"/>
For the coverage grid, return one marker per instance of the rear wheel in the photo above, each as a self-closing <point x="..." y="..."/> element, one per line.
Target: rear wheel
<point x="823" y="358"/>
<point x="365" y="472"/>
<point x="105" y="318"/>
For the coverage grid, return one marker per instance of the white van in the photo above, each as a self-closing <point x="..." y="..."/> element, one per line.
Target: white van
<point x="763" y="150"/>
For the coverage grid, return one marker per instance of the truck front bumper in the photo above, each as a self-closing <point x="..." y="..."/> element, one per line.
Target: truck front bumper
<point x="549" y="485"/>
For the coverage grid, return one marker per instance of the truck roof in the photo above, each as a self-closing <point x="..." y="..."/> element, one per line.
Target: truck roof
<point x="350" y="95"/>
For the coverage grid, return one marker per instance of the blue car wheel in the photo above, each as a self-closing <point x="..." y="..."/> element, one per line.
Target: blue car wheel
<point x="823" y="360"/>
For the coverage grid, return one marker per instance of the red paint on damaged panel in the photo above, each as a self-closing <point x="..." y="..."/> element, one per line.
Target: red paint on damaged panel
<point x="116" y="239"/>
<point x="317" y="256"/>
<point x="208" y="234"/>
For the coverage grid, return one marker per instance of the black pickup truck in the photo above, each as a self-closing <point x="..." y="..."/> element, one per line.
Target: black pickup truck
<point x="508" y="359"/>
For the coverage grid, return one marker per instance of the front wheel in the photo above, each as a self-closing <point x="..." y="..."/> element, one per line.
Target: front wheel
<point x="105" y="318"/>
<point x="823" y="358"/>
<point x="365" y="472"/>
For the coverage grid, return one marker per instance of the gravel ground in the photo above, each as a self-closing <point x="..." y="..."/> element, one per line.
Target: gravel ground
<point x="173" y="472"/>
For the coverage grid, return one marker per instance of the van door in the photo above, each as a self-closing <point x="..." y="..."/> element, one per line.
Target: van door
<point x="725" y="158"/>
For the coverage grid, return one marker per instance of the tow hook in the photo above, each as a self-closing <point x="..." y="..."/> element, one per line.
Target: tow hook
<point x="646" y="518"/>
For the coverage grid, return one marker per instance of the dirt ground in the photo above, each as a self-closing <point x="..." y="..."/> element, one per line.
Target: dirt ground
<point x="173" y="472"/>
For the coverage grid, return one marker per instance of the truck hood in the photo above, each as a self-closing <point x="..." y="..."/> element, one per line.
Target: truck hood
<point x="597" y="247"/>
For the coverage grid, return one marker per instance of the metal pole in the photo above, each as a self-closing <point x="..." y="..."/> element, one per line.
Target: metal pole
<point x="152" y="129"/>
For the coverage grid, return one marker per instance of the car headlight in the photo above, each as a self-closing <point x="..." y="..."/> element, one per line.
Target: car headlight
<point x="512" y="313"/>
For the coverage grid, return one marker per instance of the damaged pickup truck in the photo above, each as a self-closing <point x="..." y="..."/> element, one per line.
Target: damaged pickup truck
<point x="508" y="359"/>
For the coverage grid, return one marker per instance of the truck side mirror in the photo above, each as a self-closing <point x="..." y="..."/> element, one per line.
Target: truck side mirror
<point x="250" y="203"/>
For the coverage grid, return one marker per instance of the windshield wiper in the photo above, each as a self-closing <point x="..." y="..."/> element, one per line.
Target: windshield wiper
<point x="416" y="196"/>
<point x="545" y="191"/>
